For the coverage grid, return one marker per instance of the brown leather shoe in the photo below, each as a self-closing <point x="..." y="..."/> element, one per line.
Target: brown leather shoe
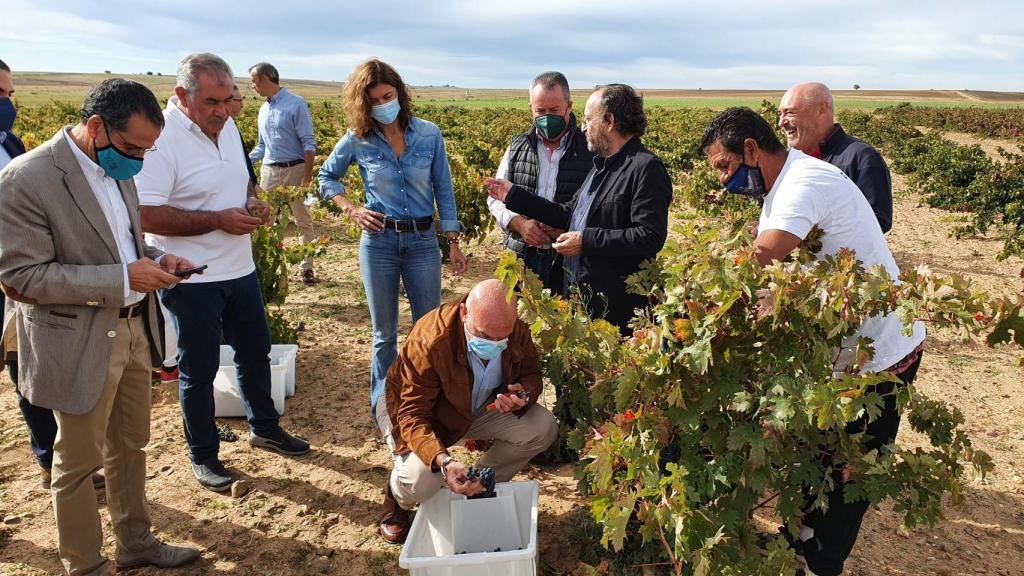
<point x="394" y="522"/>
<point x="160" y="555"/>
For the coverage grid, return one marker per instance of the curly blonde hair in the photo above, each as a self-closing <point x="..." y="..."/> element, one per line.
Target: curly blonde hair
<point x="357" y="100"/>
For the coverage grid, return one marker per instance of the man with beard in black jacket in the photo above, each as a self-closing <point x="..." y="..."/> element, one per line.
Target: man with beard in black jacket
<point x="619" y="216"/>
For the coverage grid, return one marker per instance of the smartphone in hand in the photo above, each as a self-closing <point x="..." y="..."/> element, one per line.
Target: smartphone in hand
<point x="196" y="270"/>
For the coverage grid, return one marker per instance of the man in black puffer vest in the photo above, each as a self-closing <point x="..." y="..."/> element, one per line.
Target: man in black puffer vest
<point x="551" y="160"/>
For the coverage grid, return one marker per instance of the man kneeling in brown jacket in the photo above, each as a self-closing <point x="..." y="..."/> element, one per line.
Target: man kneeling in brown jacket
<point x="468" y="371"/>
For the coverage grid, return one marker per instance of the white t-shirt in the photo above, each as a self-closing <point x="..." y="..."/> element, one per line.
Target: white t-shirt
<point x="187" y="171"/>
<point x="811" y="192"/>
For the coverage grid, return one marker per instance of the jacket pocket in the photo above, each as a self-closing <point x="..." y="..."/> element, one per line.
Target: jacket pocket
<point x="50" y="320"/>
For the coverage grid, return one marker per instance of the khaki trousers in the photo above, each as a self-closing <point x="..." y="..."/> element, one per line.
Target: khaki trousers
<point x="516" y="440"/>
<point x="112" y="435"/>
<point x="277" y="176"/>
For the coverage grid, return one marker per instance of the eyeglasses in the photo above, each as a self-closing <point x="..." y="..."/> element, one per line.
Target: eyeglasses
<point x="129" y="148"/>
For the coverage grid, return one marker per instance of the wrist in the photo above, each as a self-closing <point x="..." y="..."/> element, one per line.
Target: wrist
<point x="444" y="466"/>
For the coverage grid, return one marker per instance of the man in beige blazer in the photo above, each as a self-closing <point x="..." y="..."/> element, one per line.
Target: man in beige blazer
<point x="72" y="257"/>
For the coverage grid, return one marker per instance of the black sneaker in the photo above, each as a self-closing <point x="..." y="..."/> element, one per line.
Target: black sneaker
<point x="212" y="475"/>
<point x="281" y="442"/>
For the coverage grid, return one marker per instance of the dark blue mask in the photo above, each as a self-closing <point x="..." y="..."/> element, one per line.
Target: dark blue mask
<point x="747" y="181"/>
<point x="7" y="114"/>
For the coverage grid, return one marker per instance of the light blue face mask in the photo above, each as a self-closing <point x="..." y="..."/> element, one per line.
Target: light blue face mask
<point x="115" y="163"/>
<point x="387" y="112"/>
<point x="487" y="349"/>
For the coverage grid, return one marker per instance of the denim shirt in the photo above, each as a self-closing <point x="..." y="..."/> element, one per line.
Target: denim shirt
<point x="400" y="188"/>
<point x="285" y="129"/>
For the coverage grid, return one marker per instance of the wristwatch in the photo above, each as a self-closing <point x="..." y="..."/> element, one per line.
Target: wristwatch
<point x="444" y="465"/>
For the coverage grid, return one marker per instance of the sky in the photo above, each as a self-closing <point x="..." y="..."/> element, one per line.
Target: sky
<point x="732" y="44"/>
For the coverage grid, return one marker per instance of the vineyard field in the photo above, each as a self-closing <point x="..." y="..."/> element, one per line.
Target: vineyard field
<point x="956" y="211"/>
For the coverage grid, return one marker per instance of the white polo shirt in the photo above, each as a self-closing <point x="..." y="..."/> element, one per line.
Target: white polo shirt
<point x="187" y="171"/>
<point x="811" y="192"/>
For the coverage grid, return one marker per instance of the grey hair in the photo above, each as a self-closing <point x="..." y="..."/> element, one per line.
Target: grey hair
<point x="549" y="80"/>
<point x="193" y="65"/>
<point x="266" y="69"/>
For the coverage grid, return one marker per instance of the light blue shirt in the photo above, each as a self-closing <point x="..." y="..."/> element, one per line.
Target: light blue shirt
<point x="285" y="129"/>
<point x="400" y="188"/>
<point x="584" y="201"/>
<point x="486" y="379"/>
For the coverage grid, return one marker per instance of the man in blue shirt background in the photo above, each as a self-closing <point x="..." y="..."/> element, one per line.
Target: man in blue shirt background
<point x="286" y="146"/>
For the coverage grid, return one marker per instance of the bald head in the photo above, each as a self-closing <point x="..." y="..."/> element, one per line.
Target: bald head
<point x="487" y="313"/>
<point x="807" y="115"/>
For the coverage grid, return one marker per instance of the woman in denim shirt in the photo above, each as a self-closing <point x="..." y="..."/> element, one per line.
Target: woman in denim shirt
<point x="405" y="172"/>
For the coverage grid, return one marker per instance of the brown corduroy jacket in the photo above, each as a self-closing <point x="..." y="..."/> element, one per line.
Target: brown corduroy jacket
<point x="429" y="388"/>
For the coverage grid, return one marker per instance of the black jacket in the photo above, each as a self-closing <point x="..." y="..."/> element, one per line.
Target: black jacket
<point x="865" y="166"/>
<point x="627" y="224"/>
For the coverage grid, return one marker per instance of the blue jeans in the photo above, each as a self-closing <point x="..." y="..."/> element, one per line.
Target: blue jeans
<point x="42" y="426"/>
<point x="386" y="257"/>
<point x="201" y="312"/>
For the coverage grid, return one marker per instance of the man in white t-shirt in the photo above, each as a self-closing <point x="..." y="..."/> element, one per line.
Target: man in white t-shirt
<point x="800" y="192"/>
<point x="197" y="201"/>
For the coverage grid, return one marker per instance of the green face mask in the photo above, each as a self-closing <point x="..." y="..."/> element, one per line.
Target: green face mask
<point x="550" y="126"/>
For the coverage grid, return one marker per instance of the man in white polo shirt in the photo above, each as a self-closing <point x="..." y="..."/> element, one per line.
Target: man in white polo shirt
<point x="198" y="201"/>
<point x="799" y="193"/>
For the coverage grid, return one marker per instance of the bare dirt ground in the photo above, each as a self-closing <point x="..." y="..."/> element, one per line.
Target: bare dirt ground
<point x="317" y="514"/>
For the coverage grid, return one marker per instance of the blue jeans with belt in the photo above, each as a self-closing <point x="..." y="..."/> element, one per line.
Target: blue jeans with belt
<point x="201" y="313"/>
<point x="385" y="258"/>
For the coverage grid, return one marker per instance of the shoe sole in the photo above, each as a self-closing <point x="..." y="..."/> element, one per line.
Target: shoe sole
<point x="143" y="564"/>
<point x="217" y="489"/>
<point x="258" y="442"/>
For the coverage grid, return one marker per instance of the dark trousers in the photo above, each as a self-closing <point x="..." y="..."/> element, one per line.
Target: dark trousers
<point x="42" y="426"/>
<point x="547" y="264"/>
<point x="201" y="312"/>
<point x="835" y="531"/>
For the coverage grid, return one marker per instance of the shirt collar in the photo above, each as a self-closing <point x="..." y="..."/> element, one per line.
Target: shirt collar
<point x="836" y="130"/>
<point x="179" y="116"/>
<point x="87" y="164"/>
<point x="277" y="95"/>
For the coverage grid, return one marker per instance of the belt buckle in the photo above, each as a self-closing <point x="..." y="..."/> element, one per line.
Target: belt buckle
<point x="394" y="225"/>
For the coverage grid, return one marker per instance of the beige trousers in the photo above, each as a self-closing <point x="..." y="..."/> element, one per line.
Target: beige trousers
<point x="516" y="440"/>
<point x="276" y="176"/>
<point x="112" y="435"/>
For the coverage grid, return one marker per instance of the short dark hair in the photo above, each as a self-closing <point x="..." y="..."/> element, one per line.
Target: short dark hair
<point x="549" y="80"/>
<point x="626" y="106"/>
<point x="266" y="69"/>
<point x="734" y="125"/>
<point x="4" y="66"/>
<point x="116" y="100"/>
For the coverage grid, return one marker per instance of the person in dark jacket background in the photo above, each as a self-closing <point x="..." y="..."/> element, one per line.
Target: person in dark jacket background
<point x="807" y="116"/>
<point x="550" y="160"/>
<point x="617" y="219"/>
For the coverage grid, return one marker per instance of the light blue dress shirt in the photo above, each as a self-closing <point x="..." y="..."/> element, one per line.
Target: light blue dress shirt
<point x="400" y="188"/>
<point x="486" y="379"/>
<point x="285" y="129"/>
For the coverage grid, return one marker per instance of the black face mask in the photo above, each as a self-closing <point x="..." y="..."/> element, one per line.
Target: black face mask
<point x="747" y="181"/>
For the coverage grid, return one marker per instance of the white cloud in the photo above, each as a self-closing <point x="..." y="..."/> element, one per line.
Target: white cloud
<point x="473" y="43"/>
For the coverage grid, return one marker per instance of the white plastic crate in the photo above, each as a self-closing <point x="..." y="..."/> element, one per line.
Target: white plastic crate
<point x="226" y="396"/>
<point x="450" y="523"/>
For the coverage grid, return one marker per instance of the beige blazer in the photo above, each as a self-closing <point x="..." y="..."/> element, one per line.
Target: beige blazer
<point x="57" y="248"/>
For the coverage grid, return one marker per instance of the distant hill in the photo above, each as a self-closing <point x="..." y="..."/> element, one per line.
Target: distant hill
<point x="34" y="88"/>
